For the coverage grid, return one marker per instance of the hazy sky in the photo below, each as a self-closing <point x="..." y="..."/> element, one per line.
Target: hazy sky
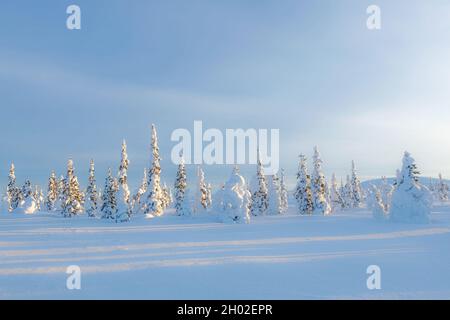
<point x="309" y="68"/>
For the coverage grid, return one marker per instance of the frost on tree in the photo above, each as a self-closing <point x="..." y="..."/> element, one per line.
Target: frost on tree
<point x="91" y="192"/>
<point x="259" y="198"/>
<point x="442" y="189"/>
<point x="28" y="203"/>
<point x="283" y="192"/>
<point x="123" y="195"/>
<point x="153" y="197"/>
<point x="356" y="197"/>
<point x="203" y="193"/>
<point x="13" y="194"/>
<point x="274" y="192"/>
<point x="182" y="207"/>
<point x="52" y="193"/>
<point x="411" y="201"/>
<point x="72" y="197"/>
<point x="233" y="201"/>
<point x="302" y="191"/>
<point x="376" y="205"/>
<point x="109" y="207"/>
<point x="318" y="185"/>
<point x="336" y="200"/>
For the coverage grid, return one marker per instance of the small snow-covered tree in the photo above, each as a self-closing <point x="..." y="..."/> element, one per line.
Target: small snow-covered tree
<point x="259" y="199"/>
<point x="356" y="188"/>
<point x="318" y="185"/>
<point x="123" y="196"/>
<point x="52" y="193"/>
<point x="138" y="197"/>
<point x="202" y="193"/>
<point x="233" y="200"/>
<point x="376" y="205"/>
<point x="153" y="202"/>
<point x="167" y="196"/>
<point x="13" y="195"/>
<point x="442" y="189"/>
<point x="181" y="204"/>
<point x="28" y="203"/>
<point x="92" y="196"/>
<point x="302" y="192"/>
<point x="386" y="191"/>
<point x="283" y="192"/>
<point x="348" y="193"/>
<point x="109" y="207"/>
<point x="411" y="201"/>
<point x="38" y="197"/>
<point x="72" y="195"/>
<point x="336" y="200"/>
<point x="274" y="192"/>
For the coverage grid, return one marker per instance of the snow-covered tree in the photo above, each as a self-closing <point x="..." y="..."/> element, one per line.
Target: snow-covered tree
<point x="28" y="203"/>
<point x="356" y="188"/>
<point x="336" y="200"/>
<point x="259" y="199"/>
<point x="318" y="185"/>
<point x="167" y="196"/>
<point x="123" y="196"/>
<point x="138" y="197"/>
<point x="153" y="197"/>
<point x="92" y="196"/>
<point x="411" y="201"/>
<point x="109" y="207"/>
<point x="376" y="205"/>
<point x="442" y="189"/>
<point x="13" y="195"/>
<point x="182" y="207"/>
<point x="52" y="193"/>
<point x="386" y="191"/>
<point x="232" y="202"/>
<point x="347" y="195"/>
<point x="202" y="194"/>
<point x="302" y="192"/>
<point x="283" y="192"/>
<point x="72" y="203"/>
<point x="38" y="196"/>
<point x="274" y="191"/>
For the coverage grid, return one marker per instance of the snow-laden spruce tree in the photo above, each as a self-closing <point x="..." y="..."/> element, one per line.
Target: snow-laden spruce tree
<point x="386" y="191"/>
<point x="138" y="196"/>
<point x="123" y="194"/>
<point x="109" y="207"/>
<point x="259" y="199"/>
<point x="320" y="204"/>
<point x="356" y="188"/>
<point x="202" y="194"/>
<point x="182" y="207"/>
<point x="52" y="193"/>
<point x="28" y="203"/>
<point x="283" y="192"/>
<point x="376" y="205"/>
<point x="336" y="200"/>
<point x="348" y="193"/>
<point x="411" y="201"/>
<point x="72" y="203"/>
<point x="153" y="202"/>
<point x="38" y="196"/>
<point x="442" y="189"/>
<point x="274" y="192"/>
<point x="233" y="201"/>
<point x="92" y="197"/>
<point x="13" y="194"/>
<point x="302" y="192"/>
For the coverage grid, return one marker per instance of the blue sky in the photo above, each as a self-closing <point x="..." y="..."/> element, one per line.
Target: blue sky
<point x="309" y="68"/>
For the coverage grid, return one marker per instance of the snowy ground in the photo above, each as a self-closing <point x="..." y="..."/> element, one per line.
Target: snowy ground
<point x="282" y="257"/>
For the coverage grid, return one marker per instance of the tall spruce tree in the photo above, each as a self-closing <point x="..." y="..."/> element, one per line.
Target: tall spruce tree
<point x="335" y="196"/>
<point x="283" y="192"/>
<point x="274" y="192"/>
<point x="72" y="196"/>
<point x="153" y="197"/>
<point x="260" y="198"/>
<point x="52" y="193"/>
<point x="303" y="193"/>
<point x="109" y="207"/>
<point x="92" y="196"/>
<point x="356" y="188"/>
<point x="13" y="195"/>
<point x="318" y="186"/>
<point x="181" y="207"/>
<point x="123" y="197"/>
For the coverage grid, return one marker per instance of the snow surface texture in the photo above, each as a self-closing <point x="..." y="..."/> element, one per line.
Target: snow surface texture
<point x="273" y="257"/>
